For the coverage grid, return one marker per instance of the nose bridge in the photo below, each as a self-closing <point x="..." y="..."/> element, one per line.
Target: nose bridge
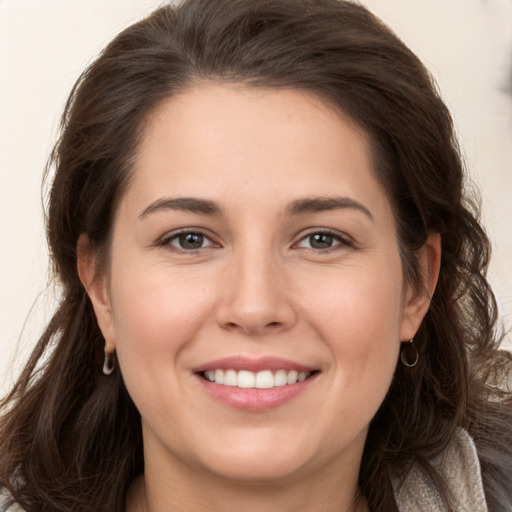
<point x="255" y="297"/>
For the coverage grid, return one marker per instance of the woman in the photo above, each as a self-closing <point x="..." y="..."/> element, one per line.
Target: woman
<point x="274" y="292"/>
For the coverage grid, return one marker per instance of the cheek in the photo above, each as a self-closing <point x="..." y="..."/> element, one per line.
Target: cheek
<point x="359" y="319"/>
<point x="360" y="303"/>
<point x="156" y="314"/>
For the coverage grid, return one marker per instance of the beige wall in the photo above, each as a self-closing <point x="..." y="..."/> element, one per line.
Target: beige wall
<point x="44" y="44"/>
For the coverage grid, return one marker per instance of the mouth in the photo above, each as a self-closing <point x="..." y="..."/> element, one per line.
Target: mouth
<point x="265" y="379"/>
<point x="255" y="384"/>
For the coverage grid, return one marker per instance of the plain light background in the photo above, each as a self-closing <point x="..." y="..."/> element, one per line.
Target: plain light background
<point x="45" y="44"/>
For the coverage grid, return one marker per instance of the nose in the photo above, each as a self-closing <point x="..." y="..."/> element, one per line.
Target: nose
<point x="256" y="298"/>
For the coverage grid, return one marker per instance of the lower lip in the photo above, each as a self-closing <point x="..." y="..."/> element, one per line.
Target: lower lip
<point x="254" y="399"/>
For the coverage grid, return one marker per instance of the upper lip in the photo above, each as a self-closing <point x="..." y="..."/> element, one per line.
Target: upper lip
<point x="253" y="364"/>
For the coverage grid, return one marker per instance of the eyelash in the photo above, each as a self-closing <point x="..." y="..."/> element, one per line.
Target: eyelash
<point x="339" y="240"/>
<point x="167" y="240"/>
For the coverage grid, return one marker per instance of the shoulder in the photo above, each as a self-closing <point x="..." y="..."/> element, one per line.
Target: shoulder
<point x="458" y="467"/>
<point x="6" y="504"/>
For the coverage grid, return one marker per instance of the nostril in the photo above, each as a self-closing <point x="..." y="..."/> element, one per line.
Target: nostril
<point x="254" y="316"/>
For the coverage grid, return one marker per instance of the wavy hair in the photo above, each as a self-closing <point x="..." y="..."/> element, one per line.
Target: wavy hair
<point x="71" y="437"/>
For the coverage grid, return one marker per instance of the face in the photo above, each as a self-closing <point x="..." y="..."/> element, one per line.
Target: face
<point x="254" y="294"/>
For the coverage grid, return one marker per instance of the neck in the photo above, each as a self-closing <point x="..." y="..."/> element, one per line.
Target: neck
<point x="172" y="483"/>
<point x="148" y="494"/>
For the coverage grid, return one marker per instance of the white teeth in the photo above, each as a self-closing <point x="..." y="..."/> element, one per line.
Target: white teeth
<point x="280" y="378"/>
<point x="246" y="379"/>
<point x="219" y="376"/>
<point x="291" y="378"/>
<point x="230" y="378"/>
<point x="265" y="379"/>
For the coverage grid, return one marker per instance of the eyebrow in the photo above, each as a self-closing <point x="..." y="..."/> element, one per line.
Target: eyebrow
<point x="298" y="207"/>
<point x="321" y="204"/>
<point x="186" y="204"/>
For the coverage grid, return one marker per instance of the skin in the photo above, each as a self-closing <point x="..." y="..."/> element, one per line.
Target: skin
<point x="256" y="287"/>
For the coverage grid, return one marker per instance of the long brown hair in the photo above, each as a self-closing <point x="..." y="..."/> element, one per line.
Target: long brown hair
<point x="70" y="436"/>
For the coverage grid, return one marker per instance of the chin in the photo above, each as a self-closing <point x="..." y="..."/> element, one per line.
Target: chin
<point x="269" y="464"/>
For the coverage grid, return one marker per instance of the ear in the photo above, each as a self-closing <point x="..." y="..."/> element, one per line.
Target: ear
<point x="96" y="285"/>
<point x="417" y="299"/>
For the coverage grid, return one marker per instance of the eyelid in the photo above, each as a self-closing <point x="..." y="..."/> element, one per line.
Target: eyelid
<point x="344" y="241"/>
<point x="165" y="240"/>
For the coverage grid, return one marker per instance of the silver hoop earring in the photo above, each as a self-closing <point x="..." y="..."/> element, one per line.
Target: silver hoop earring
<point x="109" y="363"/>
<point x="409" y="354"/>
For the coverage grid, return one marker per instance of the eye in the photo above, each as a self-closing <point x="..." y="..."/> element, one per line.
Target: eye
<point x="188" y="241"/>
<point x="323" y="240"/>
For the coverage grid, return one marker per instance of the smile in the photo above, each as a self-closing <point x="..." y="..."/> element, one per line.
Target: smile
<point x="265" y="379"/>
<point x="255" y="385"/>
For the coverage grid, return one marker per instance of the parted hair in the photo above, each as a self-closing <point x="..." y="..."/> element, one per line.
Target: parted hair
<point x="70" y="436"/>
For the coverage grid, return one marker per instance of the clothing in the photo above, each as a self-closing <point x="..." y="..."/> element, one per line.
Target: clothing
<point x="4" y="501"/>
<point x="458" y="466"/>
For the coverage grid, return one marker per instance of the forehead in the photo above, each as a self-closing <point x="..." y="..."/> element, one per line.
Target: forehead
<point x="263" y="142"/>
